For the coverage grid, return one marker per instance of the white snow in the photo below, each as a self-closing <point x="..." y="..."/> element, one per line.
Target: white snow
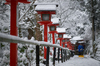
<point x="61" y="30"/>
<point x="45" y="3"/>
<point x="81" y="41"/>
<point x="45" y="7"/>
<point x="15" y="39"/>
<point x="66" y="36"/>
<point x="73" y="41"/>
<point x="77" y="38"/>
<point x="76" y="61"/>
<point x="80" y="25"/>
<point x="55" y="20"/>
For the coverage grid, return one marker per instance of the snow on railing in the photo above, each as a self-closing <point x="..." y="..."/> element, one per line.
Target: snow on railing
<point x="15" y="39"/>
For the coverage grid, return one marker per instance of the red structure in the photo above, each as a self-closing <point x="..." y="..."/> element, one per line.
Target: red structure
<point x="68" y="42"/>
<point x="52" y="28"/>
<point x="60" y="32"/>
<point x="45" y="12"/>
<point x="63" y="42"/>
<point x="13" y="29"/>
<point x="78" y="43"/>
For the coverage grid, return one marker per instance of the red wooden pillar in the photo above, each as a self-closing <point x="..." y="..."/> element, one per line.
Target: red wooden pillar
<point x="53" y="37"/>
<point x="45" y="39"/>
<point x="60" y="42"/>
<point x="63" y="44"/>
<point x="13" y="31"/>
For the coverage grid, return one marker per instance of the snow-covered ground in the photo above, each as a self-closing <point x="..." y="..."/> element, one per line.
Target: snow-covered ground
<point x="76" y="61"/>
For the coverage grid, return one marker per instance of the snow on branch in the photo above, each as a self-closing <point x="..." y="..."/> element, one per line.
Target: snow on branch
<point x="25" y="12"/>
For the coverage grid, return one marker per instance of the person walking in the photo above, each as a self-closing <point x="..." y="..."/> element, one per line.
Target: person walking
<point x="80" y="49"/>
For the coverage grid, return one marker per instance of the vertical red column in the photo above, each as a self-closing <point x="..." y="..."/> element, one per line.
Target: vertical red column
<point x="13" y="31"/>
<point x="60" y="42"/>
<point x="63" y="44"/>
<point x="45" y="39"/>
<point x="53" y="37"/>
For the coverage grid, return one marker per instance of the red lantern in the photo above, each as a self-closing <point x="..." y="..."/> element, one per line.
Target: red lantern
<point x="45" y="12"/>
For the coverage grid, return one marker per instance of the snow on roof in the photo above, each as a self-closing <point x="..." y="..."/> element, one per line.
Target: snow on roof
<point x="77" y="38"/>
<point x="81" y="41"/>
<point x="55" y="20"/>
<point x="61" y="30"/>
<point x="45" y="7"/>
<point x="73" y="41"/>
<point x="66" y="36"/>
<point x="45" y="3"/>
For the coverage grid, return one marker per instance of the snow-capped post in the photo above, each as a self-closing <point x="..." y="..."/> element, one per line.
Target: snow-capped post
<point x="46" y="10"/>
<point x="60" y="32"/>
<point x="52" y="28"/>
<point x="13" y="29"/>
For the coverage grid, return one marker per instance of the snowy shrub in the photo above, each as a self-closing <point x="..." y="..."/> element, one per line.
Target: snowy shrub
<point x="26" y="54"/>
<point x="5" y="58"/>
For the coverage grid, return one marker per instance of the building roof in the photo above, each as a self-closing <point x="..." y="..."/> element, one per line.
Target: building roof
<point x="77" y="38"/>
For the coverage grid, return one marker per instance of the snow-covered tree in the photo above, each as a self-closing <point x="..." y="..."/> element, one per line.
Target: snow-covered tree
<point x="92" y="8"/>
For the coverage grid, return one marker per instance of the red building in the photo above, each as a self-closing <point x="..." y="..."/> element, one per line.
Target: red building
<point x="76" y="41"/>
